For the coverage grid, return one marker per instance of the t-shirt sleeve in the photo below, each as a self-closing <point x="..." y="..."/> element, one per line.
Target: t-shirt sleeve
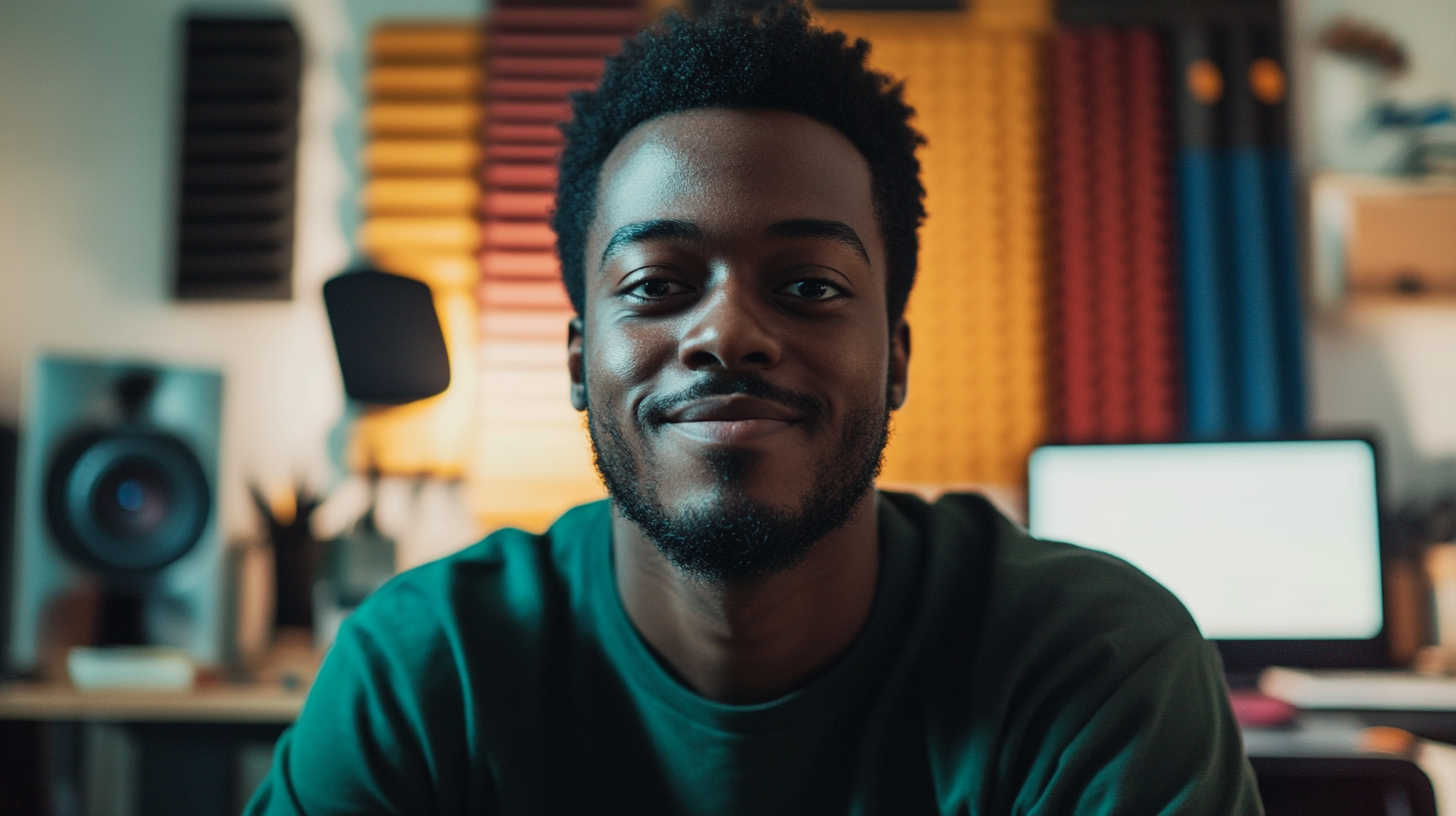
<point x="1163" y="741"/>
<point x="374" y="735"/>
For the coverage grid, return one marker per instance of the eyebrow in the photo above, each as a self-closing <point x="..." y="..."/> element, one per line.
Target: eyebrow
<point x="674" y="229"/>
<point x="655" y="230"/>
<point x="836" y="231"/>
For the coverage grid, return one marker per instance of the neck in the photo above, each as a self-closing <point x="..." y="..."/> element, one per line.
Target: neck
<point x="754" y="641"/>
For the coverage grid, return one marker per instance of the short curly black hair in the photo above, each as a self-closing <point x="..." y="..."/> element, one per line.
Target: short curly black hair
<point x="729" y="59"/>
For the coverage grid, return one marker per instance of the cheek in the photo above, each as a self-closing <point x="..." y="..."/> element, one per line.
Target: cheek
<point x="863" y="365"/>
<point x="621" y="362"/>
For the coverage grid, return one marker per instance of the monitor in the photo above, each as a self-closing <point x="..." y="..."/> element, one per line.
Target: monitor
<point x="1274" y="547"/>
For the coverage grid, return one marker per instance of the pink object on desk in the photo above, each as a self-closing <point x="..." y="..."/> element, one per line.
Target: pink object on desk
<point x="1253" y="709"/>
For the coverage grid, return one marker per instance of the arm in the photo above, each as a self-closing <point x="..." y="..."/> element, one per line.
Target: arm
<point x="382" y="731"/>
<point x="1163" y="741"/>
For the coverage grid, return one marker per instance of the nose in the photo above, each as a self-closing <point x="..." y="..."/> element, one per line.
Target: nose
<point x="731" y="328"/>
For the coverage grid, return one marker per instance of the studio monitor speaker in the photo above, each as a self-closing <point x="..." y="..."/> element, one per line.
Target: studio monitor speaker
<point x="9" y="443"/>
<point x="117" y="541"/>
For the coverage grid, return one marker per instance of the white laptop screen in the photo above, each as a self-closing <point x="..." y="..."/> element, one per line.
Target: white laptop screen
<point x="1260" y="540"/>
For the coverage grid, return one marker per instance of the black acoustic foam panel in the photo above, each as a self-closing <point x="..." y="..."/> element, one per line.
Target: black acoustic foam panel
<point x="391" y="350"/>
<point x="239" y="151"/>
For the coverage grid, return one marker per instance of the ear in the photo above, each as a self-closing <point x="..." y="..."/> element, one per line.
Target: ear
<point x="574" y="364"/>
<point x="899" y="364"/>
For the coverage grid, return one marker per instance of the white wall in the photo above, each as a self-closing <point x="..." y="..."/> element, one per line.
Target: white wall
<point x="1383" y="366"/>
<point x="88" y="99"/>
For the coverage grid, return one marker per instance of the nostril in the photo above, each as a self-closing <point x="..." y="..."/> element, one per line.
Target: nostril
<point x="701" y="359"/>
<point x="756" y="358"/>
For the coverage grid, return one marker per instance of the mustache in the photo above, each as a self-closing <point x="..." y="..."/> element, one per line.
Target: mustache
<point x="655" y="409"/>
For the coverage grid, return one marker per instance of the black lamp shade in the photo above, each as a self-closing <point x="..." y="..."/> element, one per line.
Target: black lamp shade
<point x="391" y="350"/>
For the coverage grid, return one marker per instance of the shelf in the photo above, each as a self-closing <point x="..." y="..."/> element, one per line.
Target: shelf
<point x="236" y="703"/>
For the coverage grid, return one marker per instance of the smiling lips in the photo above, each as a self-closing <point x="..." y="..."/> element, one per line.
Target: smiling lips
<point x="731" y="420"/>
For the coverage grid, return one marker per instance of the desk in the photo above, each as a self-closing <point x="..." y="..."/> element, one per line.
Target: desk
<point x="1335" y="740"/>
<point x="223" y="703"/>
<point x="196" y="752"/>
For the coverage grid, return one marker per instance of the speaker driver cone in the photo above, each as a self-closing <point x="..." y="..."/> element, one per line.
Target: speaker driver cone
<point x="127" y="501"/>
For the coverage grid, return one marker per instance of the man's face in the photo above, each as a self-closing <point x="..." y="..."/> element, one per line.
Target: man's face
<point x="735" y="355"/>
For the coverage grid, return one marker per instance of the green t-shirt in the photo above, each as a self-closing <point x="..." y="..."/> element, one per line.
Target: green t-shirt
<point x="997" y="674"/>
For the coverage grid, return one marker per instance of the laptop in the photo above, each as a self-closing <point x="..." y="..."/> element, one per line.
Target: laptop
<point x="1273" y="546"/>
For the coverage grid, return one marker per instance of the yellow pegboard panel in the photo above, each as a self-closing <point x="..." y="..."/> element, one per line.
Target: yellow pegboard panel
<point x="407" y="43"/>
<point x="423" y="164"/>
<point x="460" y="119"/>
<point x="977" y="397"/>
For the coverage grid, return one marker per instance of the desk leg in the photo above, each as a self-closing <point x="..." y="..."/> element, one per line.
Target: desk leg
<point x="23" y="768"/>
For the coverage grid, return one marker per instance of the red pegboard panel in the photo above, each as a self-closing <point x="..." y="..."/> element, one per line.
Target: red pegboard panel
<point x="511" y="133"/>
<point x="506" y="43"/>
<point x="1154" y="305"/>
<point x="546" y="67"/>
<point x="501" y="88"/>
<point x="498" y="234"/>
<point x="618" y="21"/>
<point x="521" y="175"/>
<point x="1075" y="289"/>
<point x="1118" y="351"/>
<point x="516" y="111"/>
<point x="542" y="152"/>
<point x="1107" y="80"/>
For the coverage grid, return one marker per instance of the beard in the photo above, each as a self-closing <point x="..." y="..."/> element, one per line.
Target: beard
<point x="731" y="538"/>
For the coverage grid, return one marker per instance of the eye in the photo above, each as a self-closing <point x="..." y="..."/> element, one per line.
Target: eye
<point x="812" y="289"/>
<point x="657" y="289"/>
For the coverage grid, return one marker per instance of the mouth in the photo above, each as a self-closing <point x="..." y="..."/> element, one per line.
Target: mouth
<point x="729" y="420"/>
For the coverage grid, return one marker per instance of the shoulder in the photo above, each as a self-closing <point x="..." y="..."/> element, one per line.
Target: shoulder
<point x="507" y="580"/>
<point x="1026" y="598"/>
<point x="1070" y="680"/>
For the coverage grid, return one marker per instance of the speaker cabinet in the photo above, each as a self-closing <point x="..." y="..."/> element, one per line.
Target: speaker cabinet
<point x="117" y="541"/>
<point x="8" y="451"/>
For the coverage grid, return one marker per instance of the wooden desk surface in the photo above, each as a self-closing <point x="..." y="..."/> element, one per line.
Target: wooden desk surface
<point x="234" y="703"/>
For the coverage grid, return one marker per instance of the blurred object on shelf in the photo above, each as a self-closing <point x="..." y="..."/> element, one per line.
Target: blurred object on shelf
<point x="1406" y="536"/>
<point x="291" y="662"/>
<point x="354" y="564"/>
<point x="1374" y="235"/>
<point x="1407" y="608"/>
<point x="295" y="553"/>
<point x="1440" y="564"/>
<point x="1362" y="126"/>
<point x="1423" y="134"/>
<point x="1436" y="154"/>
<point x="149" y="668"/>
<point x="1364" y="41"/>
<point x="249" y="589"/>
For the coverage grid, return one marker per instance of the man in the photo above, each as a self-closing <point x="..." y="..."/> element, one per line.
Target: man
<point x="748" y="626"/>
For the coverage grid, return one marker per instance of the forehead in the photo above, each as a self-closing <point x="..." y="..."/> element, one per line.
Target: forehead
<point x="729" y="170"/>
